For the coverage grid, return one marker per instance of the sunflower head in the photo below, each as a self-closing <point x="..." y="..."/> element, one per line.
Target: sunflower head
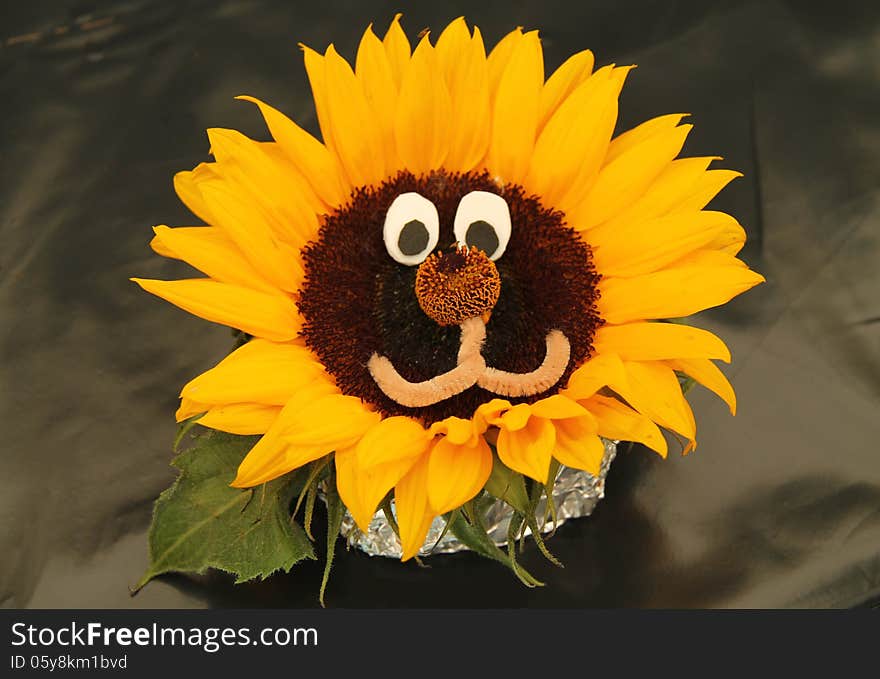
<point x="468" y="255"/>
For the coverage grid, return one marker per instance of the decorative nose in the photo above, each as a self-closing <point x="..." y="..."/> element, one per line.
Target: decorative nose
<point x="461" y="284"/>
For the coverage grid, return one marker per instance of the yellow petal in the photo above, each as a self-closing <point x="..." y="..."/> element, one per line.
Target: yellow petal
<point x="673" y="292"/>
<point x="577" y="444"/>
<point x="456" y="473"/>
<point x="354" y="127"/>
<point x="490" y="413"/>
<point x="273" y="462"/>
<point x="641" y="133"/>
<point x="658" y="341"/>
<point x="499" y="57"/>
<point x="212" y="252"/>
<point x="729" y="240"/>
<point x="277" y="187"/>
<point x="259" y="372"/>
<point x="653" y="389"/>
<point x="188" y="408"/>
<point x="332" y="421"/>
<point x="572" y="145"/>
<point x="421" y="123"/>
<point x="186" y="185"/>
<point x="710" y="258"/>
<point x="619" y="422"/>
<point x="457" y="430"/>
<point x="316" y="71"/>
<point x="452" y="46"/>
<point x="576" y="193"/>
<point x="286" y="200"/>
<point x="575" y="70"/>
<point x="600" y="371"/>
<point x="277" y="156"/>
<point x="373" y="70"/>
<point x="393" y="439"/>
<point x="707" y="187"/>
<point x="462" y="59"/>
<point x="307" y="428"/>
<point x="515" y="418"/>
<point x="414" y="516"/>
<point x="528" y="450"/>
<point x="247" y="225"/>
<point x="636" y="248"/>
<point x="362" y="489"/>
<point x="267" y="460"/>
<point x="671" y="187"/>
<point x="313" y="160"/>
<point x="397" y="48"/>
<point x="707" y="373"/>
<point x="162" y="249"/>
<point x="241" y="418"/>
<point x="515" y="111"/>
<point x="349" y="488"/>
<point x="627" y="177"/>
<point x="557" y="407"/>
<point x="272" y="317"/>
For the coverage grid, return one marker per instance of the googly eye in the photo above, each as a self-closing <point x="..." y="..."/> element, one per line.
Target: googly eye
<point x="483" y="220"/>
<point x="412" y="228"/>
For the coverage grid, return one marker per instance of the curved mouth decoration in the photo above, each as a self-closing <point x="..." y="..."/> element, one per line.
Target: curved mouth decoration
<point x="471" y="369"/>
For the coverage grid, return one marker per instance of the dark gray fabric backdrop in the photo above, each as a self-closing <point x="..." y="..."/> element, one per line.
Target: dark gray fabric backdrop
<point x="104" y="101"/>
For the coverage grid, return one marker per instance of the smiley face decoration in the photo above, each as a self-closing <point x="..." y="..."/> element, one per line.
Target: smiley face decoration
<point x="466" y="290"/>
<point x="469" y="270"/>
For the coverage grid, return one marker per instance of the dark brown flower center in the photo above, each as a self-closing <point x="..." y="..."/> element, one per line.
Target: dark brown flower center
<point x="357" y="301"/>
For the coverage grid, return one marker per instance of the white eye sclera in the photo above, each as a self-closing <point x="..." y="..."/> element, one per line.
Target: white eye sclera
<point x="412" y="228"/>
<point x="483" y="220"/>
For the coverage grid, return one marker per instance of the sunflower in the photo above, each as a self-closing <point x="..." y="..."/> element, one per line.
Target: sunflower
<point x="467" y="263"/>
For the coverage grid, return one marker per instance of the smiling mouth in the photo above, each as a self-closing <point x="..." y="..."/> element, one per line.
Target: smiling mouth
<point x="471" y="370"/>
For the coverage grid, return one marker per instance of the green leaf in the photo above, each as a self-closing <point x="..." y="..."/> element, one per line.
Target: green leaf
<point x="200" y="522"/>
<point x="335" y="514"/>
<point x="507" y="485"/>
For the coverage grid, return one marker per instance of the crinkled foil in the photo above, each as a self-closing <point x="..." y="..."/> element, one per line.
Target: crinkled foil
<point x="575" y="493"/>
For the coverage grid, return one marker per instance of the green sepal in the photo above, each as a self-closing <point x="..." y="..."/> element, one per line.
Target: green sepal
<point x="183" y="429"/>
<point x="507" y="485"/>
<point x="317" y="473"/>
<point x="513" y="528"/>
<point x="550" y="508"/>
<point x="537" y="490"/>
<point x="335" y="514"/>
<point x="685" y="382"/>
<point x="449" y="518"/>
<point x="477" y="539"/>
<point x="388" y="511"/>
<point x="201" y="522"/>
<point x="311" y="497"/>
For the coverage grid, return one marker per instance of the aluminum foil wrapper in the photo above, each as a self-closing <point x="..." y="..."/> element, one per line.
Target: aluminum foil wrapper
<point x="575" y="494"/>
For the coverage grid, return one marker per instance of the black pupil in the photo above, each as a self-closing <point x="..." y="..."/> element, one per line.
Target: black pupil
<point x="482" y="234"/>
<point x="413" y="238"/>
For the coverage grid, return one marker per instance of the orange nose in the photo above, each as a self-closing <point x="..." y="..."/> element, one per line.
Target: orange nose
<point x="458" y="285"/>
